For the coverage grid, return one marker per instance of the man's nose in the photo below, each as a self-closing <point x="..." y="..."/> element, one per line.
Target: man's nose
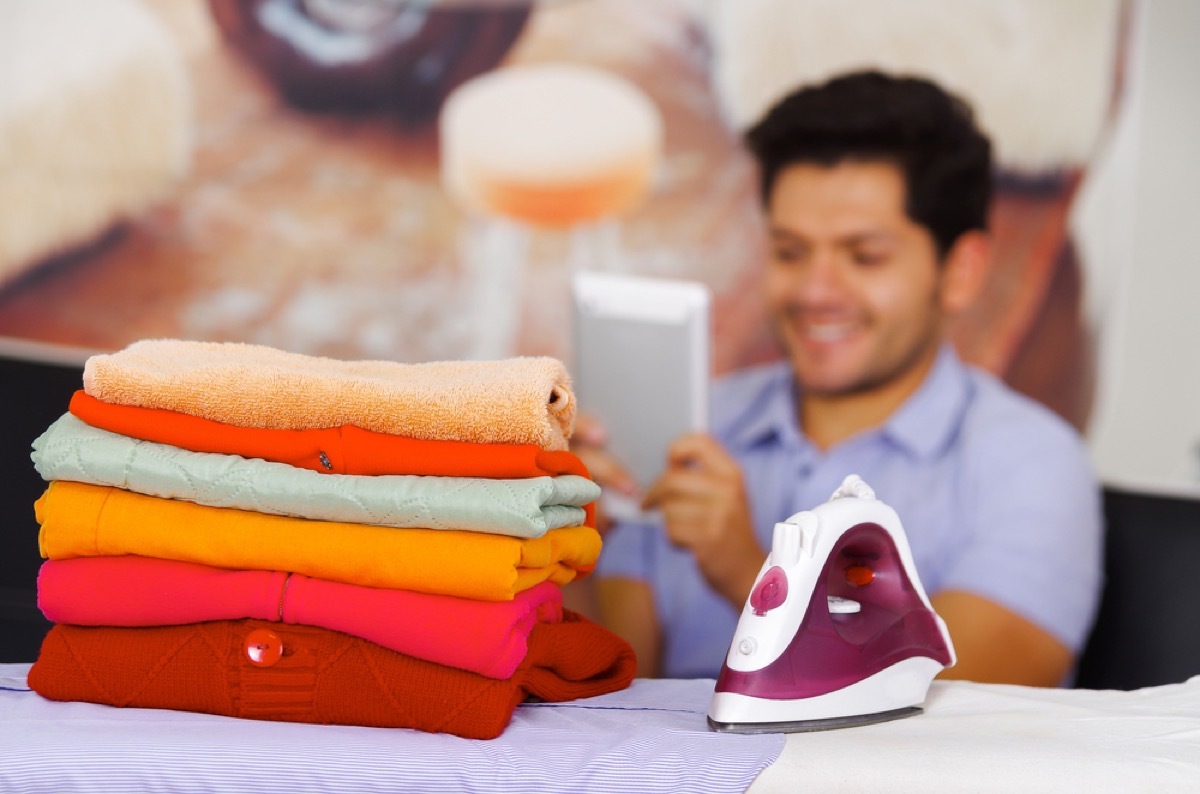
<point x="822" y="277"/>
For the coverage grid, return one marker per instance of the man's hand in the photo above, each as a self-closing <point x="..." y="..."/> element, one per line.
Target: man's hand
<point x="588" y="443"/>
<point x="704" y="507"/>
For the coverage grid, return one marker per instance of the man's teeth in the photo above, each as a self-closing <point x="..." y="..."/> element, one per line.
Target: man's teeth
<point x="828" y="332"/>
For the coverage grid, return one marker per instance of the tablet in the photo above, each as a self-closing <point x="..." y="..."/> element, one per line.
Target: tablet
<point x="641" y="365"/>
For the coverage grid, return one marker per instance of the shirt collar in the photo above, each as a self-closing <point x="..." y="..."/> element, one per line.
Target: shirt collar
<point x="929" y="419"/>
<point x="768" y="413"/>
<point x="923" y="425"/>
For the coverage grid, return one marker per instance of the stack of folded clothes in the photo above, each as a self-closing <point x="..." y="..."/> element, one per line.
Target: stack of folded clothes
<point x="239" y="530"/>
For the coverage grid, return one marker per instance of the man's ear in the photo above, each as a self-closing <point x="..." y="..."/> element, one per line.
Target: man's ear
<point x="965" y="270"/>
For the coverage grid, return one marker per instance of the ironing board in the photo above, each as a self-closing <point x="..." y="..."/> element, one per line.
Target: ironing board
<point x="992" y="738"/>
<point x="651" y="737"/>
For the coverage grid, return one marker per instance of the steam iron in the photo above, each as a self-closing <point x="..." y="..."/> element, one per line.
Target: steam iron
<point x="837" y="630"/>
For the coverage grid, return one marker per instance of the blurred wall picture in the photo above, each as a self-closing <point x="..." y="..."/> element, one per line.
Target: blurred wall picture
<point x="418" y="179"/>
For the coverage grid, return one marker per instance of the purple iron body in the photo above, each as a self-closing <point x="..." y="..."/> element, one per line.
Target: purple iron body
<point x="837" y="630"/>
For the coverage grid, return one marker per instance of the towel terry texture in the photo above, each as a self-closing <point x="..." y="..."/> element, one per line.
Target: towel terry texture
<point x="322" y="676"/>
<point x="82" y="520"/>
<point x="485" y="637"/>
<point x="71" y="449"/>
<point x="330" y="450"/>
<point x="525" y="400"/>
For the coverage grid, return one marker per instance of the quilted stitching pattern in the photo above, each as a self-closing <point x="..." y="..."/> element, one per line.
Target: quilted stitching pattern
<point x="70" y="449"/>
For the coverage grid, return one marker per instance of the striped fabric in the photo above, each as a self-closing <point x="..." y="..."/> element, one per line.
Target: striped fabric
<point x="651" y="737"/>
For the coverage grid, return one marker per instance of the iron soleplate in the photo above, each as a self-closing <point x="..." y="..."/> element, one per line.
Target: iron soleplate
<point x="808" y="726"/>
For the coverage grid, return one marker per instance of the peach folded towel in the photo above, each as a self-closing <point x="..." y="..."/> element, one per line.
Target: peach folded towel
<point x="309" y="674"/>
<point x="524" y="400"/>
<point x="81" y="520"/>
<point x="485" y="637"/>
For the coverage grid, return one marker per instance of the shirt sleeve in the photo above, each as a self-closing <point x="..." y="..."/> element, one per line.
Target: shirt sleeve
<point x="1035" y="539"/>
<point x="627" y="553"/>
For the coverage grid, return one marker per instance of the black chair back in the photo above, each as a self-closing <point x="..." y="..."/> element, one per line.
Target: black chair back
<point x="1147" y="631"/>
<point x="33" y="393"/>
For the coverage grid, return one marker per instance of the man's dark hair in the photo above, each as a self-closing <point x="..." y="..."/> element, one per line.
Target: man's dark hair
<point x="871" y="116"/>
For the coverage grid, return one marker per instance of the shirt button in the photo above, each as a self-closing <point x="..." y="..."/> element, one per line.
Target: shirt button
<point x="263" y="647"/>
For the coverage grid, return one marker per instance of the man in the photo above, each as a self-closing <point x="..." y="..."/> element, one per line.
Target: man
<point x="876" y="190"/>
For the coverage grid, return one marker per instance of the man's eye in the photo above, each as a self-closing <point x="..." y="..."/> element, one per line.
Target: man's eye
<point x="788" y="254"/>
<point x="868" y="258"/>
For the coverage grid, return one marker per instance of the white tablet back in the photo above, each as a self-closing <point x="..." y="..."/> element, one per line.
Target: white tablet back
<point x="641" y="364"/>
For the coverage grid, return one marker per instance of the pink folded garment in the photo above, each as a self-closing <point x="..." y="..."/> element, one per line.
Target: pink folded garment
<point x="525" y="400"/>
<point x="485" y="637"/>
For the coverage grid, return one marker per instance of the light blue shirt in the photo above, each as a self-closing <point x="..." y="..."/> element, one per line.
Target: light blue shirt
<point x="996" y="494"/>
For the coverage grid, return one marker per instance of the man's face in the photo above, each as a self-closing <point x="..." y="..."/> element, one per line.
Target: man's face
<point x="853" y="284"/>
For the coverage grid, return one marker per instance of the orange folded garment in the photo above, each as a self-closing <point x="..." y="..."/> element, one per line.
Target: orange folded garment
<point x="336" y="450"/>
<point x="260" y="670"/>
<point x="82" y="520"/>
<point x="523" y="400"/>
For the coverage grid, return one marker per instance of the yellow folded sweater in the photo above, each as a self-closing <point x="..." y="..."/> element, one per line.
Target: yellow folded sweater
<point x="82" y="520"/>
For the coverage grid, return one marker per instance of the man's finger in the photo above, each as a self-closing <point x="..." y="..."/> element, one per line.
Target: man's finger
<point x="699" y="450"/>
<point x="589" y="430"/>
<point x="607" y="472"/>
<point x="680" y="483"/>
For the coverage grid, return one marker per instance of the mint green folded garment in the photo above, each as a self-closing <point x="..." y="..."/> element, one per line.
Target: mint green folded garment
<point x="71" y="449"/>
